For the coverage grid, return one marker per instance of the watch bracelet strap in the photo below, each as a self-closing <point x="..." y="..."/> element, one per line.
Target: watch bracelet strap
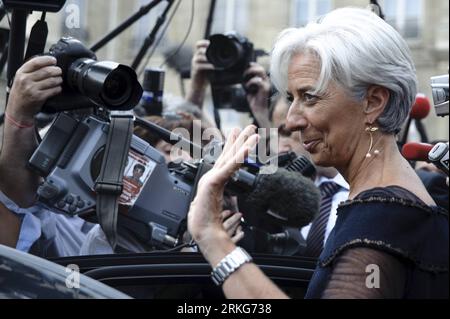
<point x="229" y="264"/>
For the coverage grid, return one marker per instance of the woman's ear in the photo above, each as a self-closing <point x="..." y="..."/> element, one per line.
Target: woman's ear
<point x="376" y="100"/>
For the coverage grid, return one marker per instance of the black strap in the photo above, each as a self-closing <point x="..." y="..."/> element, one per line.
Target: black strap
<point x="38" y="39"/>
<point x="109" y="183"/>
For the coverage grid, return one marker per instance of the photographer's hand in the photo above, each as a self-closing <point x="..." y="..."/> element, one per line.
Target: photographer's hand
<point x="37" y="80"/>
<point x="258" y="93"/>
<point x="199" y="74"/>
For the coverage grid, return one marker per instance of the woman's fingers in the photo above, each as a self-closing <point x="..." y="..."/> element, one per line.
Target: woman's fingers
<point x="231" y="223"/>
<point x="230" y="140"/>
<point x="234" y="144"/>
<point x="238" y="235"/>
<point x="234" y="163"/>
<point x="225" y="214"/>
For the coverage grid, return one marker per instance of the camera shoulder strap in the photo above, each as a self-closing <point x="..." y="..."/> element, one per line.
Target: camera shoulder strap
<point x="109" y="183"/>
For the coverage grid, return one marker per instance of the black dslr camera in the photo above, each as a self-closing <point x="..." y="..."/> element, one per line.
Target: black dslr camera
<point x="91" y="83"/>
<point x="43" y="5"/>
<point x="231" y="55"/>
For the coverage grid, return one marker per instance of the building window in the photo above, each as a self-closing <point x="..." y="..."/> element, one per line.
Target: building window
<point x="404" y="16"/>
<point x="230" y="15"/>
<point x="304" y="11"/>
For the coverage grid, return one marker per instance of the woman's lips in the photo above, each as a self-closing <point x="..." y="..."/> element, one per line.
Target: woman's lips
<point x="309" y="145"/>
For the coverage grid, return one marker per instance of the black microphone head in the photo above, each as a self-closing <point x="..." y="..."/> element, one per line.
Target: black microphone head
<point x="181" y="61"/>
<point x="292" y="199"/>
<point x="302" y="165"/>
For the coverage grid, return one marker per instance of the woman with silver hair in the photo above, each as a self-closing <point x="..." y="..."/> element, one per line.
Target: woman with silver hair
<point x="351" y="83"/>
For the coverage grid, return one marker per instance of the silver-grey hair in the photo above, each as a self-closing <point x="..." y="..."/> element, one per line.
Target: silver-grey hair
<point x="356" y="49"/>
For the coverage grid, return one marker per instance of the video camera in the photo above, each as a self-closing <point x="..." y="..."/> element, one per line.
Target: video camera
<point x="439" y="86"/>
<point x="153" y="205"/>
<point x="155" y="198"/>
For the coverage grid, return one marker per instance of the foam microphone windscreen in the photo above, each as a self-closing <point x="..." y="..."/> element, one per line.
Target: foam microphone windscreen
<point x="416" y="151"/>
<point x="289" y="195"/>
<point x="421" y="107"/>
<point x="181" y="61"/>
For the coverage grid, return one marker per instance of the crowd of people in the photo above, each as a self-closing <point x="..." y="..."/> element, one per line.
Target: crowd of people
<point x="345" y="84"/>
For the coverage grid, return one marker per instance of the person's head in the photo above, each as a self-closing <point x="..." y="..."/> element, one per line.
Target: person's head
<point x="279" y="110"/>
<point x="347" y="71"/>
<point x="138" y="170"/>
<point x="181" y="124"/>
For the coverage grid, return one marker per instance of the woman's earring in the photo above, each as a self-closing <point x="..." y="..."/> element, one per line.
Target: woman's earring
<point x="371" y="129"/>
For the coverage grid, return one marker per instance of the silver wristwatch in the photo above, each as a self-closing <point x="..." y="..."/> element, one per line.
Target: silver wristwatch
<point x="229" y="264"/>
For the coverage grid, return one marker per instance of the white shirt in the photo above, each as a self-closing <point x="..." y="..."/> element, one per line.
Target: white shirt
<point x="339" y="197"/>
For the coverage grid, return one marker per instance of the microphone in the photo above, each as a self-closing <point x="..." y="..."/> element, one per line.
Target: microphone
<point x="421" y="107"/>
<point x="439" y="156"/>
<point x="420" y="110"/>
<point x="436" y="154"/>
<point x="292" y="162"/>
<point x="287" y="243"/>
<point x="416" y="151"/>
<point x="285" y="197"/>
<point x="181" y="61"/>
<point x="303" y="166"/>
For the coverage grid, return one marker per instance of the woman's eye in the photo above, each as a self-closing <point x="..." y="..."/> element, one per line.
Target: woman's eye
<point x="290" y="98"/>
<point x="309" y="98"/>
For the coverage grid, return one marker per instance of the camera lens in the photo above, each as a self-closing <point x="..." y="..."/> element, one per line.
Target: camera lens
<point x="227" y="55"/>
<point x="224" y="52"/>
<point x="117" y="87"/>
<point x="108" y="84"/>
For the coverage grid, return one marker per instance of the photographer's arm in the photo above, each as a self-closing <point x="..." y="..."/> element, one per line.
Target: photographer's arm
<point x="258" y="96"/>
<point x="35" y="82"/>
<point x="199" y="74"/>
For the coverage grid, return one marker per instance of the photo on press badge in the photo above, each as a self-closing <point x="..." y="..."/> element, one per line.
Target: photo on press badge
<point x="137" y="172"/>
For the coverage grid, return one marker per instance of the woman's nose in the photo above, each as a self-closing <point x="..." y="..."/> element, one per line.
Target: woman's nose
<point x="295" y="120"/>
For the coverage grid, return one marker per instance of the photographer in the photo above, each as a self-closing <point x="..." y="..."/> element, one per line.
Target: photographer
<point x="25" y="224"/>
<point x="255" y="76"/>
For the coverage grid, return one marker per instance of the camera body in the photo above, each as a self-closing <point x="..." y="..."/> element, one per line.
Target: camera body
<point x="70" y="158"/>
<point x="43" y="5"/>
<point x="89" y="83"/>
<point x="439" y="86"/>
<point x="231" y="55"/>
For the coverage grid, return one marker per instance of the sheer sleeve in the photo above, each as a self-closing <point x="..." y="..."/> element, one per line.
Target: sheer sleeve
<point x="355" y="275"/>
